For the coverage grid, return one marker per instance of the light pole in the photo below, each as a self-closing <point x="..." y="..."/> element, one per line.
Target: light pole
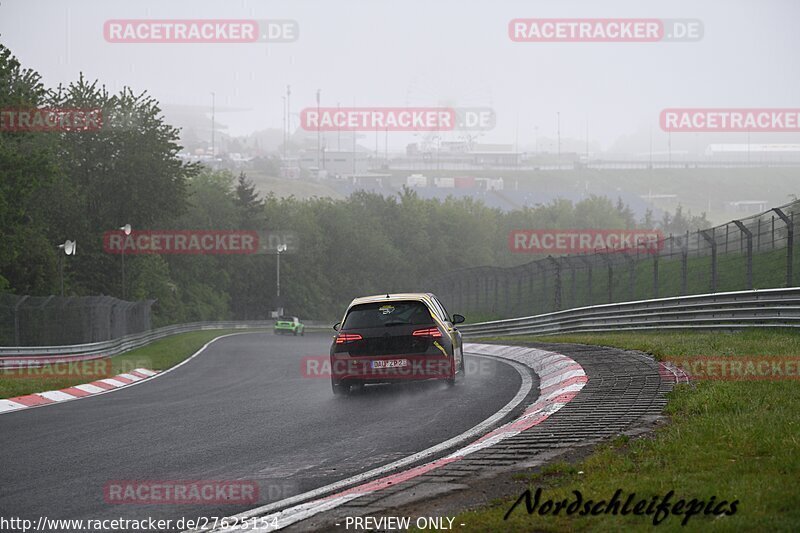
<point x="283" y="109"/>
<point x="213" y="126"/>
<point x="69" y="249"/>
<point x="281" y="248"/>
<point x="558" y="132"/>
<point x="126" y="229"/>
<point x="288" y="113"/>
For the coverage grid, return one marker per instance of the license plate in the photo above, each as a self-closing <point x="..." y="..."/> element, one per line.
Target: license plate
<point x="390" y="363"/>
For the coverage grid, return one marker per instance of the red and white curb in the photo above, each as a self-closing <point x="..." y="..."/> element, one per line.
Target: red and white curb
<point x="75" y="392"/>
<point x="671" y="373"/>
<point x="560" y="380"/>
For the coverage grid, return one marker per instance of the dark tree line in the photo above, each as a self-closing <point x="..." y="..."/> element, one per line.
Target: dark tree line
<point x="79" y="184"/>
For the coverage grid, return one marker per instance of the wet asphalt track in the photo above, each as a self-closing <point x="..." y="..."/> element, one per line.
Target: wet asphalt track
<point x="240" y="410"/>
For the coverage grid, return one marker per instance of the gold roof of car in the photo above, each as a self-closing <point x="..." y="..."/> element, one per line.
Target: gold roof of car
<point x="423" y="296"/>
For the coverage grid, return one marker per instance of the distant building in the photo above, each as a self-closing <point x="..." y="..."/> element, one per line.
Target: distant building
<point x="749" y="206"/>
<point x="336" y="163"/>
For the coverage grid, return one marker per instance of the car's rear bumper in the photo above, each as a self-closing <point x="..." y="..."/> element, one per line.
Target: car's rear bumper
<point x="347" y="369"/>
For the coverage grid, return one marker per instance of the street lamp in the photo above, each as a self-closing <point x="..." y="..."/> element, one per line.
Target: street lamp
<point x="126" y="229"/>
<point x="69" y="249"/>
<point x="281" y="248"/>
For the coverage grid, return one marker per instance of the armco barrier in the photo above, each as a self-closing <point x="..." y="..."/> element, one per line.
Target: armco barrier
<point x="13" y="357"/>
<point x="773" y="308"/>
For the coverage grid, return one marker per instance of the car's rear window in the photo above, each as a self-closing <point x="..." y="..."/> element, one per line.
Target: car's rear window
<point x="391" y="313"/>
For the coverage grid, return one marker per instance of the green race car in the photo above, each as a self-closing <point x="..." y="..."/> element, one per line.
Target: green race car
<point x="289" y="324"/>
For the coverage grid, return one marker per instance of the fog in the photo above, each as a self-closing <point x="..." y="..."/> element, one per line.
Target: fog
<point x="447" y="53"/>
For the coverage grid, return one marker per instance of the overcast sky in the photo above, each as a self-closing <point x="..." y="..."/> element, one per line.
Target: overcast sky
<point x="390" y="53"/>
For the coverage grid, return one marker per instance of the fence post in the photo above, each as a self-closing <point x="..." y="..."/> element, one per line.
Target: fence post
<point x="758" y="235"/>
<point x="557" y="291"/>
<point x="607" y="261"/>
<point x="573" y="274"/>
<point x="713" y="242"/>
<point x="789" y="244"/>
<point x="543" y="273"/>
<point x="631" y="275"/>
<point x="685" y="265"/>
<point x="507" y="306"/>
<point x="773" y="232"/>
<point x="531" y="296"/>
<point x="490" y="301"/>
<point x="749" y="236"/>
<point x="588" y="263"/>
<point x="655" y="274"/>
<point x="16" y="319"/>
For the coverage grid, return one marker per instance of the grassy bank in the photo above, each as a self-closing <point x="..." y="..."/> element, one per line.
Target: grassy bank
<point x="730" y="440"/>
<point x="159" y="355"/>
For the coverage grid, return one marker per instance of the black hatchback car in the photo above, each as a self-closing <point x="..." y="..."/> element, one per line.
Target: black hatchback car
<point x="395" y="337"/>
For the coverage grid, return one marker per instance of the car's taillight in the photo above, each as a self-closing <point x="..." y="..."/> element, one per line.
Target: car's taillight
<point x="427" y="332"/>
<point x="347" y="337"/>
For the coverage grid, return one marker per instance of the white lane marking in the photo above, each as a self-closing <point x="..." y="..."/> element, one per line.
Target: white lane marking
<point x="301" y="512"/>
<point x="531" y="358"/>
<point x="151" y="375"/>
<point x="8" y="405"/>
<point x="56" y="395"/>
<point x="113" y="382"/>
<point x="475" y="432"/>
<point x="130" y="377"/>
<point x="92" y="389"/>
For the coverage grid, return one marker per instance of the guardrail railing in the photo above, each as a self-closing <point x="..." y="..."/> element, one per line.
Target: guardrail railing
<point x="17" y="356"/>
<point x="724" y="310"/>
<point x="773" y="308"/>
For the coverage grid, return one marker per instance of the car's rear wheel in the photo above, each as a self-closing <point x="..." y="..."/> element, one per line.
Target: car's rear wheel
<point x="340" y="389"/>
<point x="459" y="375"/>
<point x="295" y="333"/>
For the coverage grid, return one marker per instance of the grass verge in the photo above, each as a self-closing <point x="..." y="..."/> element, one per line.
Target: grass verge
<point x="159" y="355"/>
<point x="731" y="440"/>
